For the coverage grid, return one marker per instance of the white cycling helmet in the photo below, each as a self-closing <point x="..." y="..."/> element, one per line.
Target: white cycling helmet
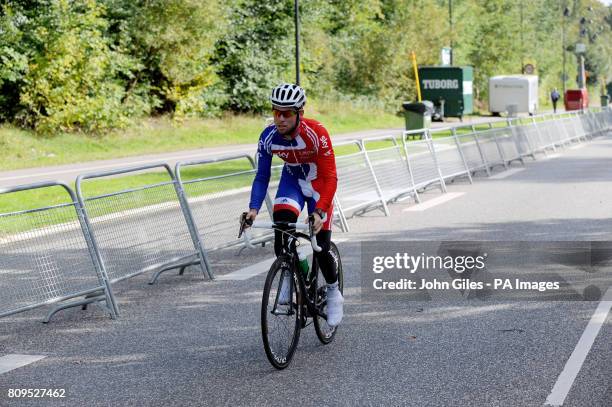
<point x="288" y="95"/>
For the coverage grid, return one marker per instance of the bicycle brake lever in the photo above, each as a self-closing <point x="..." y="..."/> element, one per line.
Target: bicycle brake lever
<point x="313" y="238"/>
<point x="244" y="222"/>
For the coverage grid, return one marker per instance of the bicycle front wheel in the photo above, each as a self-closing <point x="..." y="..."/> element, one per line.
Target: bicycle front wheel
<point x="326" y="333"/>
<point x="281" y="312"/>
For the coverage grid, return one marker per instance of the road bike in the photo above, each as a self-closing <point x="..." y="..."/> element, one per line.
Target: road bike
<point x="306" y="301"/>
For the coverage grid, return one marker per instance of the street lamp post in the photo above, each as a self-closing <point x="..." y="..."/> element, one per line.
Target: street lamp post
<point x="521" y="35"/>
<point x="450" y="20"/>
<point x="297" y="42"/>
<point x="566" y="13"/>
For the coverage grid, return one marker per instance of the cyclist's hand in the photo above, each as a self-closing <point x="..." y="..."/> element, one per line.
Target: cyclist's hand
<point x="246" y="220"/>
<point x="250" y="217"/>
<point x="317" y="223"/>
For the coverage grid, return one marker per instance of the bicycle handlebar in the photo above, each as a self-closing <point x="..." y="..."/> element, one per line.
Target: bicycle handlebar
<point x="272" y="225"/>
<point x="244" y="223"/>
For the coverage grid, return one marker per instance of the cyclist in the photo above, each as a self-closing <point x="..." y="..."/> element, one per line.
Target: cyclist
<point x="308" y="176"/>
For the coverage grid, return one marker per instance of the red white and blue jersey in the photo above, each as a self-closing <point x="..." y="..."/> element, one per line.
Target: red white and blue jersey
<point x="309" y="173"/>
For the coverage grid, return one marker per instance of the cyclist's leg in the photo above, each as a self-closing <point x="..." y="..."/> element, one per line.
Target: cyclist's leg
<point x="288" y="205"/>
<point x="325" y="259"/>
<point x="327" y="265"/>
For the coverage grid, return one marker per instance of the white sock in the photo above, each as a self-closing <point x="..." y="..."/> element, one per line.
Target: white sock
<point x="332" y="286"/>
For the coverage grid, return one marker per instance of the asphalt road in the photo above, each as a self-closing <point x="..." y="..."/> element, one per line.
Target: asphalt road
<point x="188" y="341"/>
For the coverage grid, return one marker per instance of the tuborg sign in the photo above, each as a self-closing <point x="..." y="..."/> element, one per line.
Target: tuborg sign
<point x="441" y="83"/>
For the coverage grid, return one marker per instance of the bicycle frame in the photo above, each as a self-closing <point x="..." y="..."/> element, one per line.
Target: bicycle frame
<point x="306" y="282"/>
<point x="290" y="251"/>
<point x="297" y="295"/>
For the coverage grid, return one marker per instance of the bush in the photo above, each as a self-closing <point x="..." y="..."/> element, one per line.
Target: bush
<point x="93" y="65"/>
<point x="256" y="54"/>
<point x="173" y="40"/>
<point x="60" y="69"/>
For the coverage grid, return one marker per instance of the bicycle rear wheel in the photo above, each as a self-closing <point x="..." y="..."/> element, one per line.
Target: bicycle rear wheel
<point x="326" y="333"/>
<point x="280" y="323"/>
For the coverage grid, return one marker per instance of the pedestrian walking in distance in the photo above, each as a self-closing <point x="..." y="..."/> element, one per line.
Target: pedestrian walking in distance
<point x="554" y="96"/>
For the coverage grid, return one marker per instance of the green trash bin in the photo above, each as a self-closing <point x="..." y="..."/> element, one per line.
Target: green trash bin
<point x="605" y="100"/>
<point x="418" y="114"/>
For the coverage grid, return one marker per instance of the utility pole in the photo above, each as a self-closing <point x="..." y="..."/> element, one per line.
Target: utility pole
<point x="450" y="19"/>
<point x="297" y="42"/>
<point x="566" y="14"/>
<point x="522" y="42"/>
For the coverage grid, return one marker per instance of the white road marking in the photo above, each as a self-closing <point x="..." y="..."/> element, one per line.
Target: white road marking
<point x="12" y="362"/>
<point x="574" y="363"/>
<point x="507" y="173"/>
<point x="576" y="146"/>
<point x="434" y="202"/>
<point x="248" y="272"/>
<point x="548" y="157"/>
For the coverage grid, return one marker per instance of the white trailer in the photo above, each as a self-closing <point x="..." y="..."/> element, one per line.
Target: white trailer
<point x="513" y="94"/>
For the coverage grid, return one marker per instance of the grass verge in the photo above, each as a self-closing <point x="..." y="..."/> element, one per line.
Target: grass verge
<point x="24" y="149"/>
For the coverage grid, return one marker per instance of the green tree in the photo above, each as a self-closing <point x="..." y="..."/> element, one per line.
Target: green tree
<point x="598" y="38"/>
<point x="256" y="53"/>
<point x="59" y="68"/>
<point x="496" y="48"/>
<point x="173" y="40"/>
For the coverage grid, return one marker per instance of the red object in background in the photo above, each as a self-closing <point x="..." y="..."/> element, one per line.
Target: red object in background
<point x="576" y="99"/>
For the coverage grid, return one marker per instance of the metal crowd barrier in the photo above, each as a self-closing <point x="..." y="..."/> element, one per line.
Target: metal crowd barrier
<point x="579" y="130"/>
<point x="422" y="162"/>
<point x="358" y="188"/>
<point x="606" y="119"/>
<point x="595" y="123"/>
<point x="567" y="125"/>
<point x="338" y="216"/>
<point x="581" y="133"/>
<point x="592" y="123"/>
<point x="147" y="228"/>
<point x="217" y="201"/>
<point x="491" y="148"/>
<point x="46" y="257"/>
<point x="556" y="131"/>
<point x="589" y="124"/>
<point x="564" y="126"/>
<point x="508" y="147"/>
<point x="105" y="237"/>
<point x="526" y="137"/>
<point x="276" y="171"/>
<point x="473" y="155"/>
<point x="545" y="129"/>
<point x="450" y="157"/>
<point x="607" y="125"/>
<point x="602" y="121"/>
<point x="389" y="167"/>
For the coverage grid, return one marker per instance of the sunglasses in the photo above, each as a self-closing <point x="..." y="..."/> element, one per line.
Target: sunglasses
<point x="283" y="113"/>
